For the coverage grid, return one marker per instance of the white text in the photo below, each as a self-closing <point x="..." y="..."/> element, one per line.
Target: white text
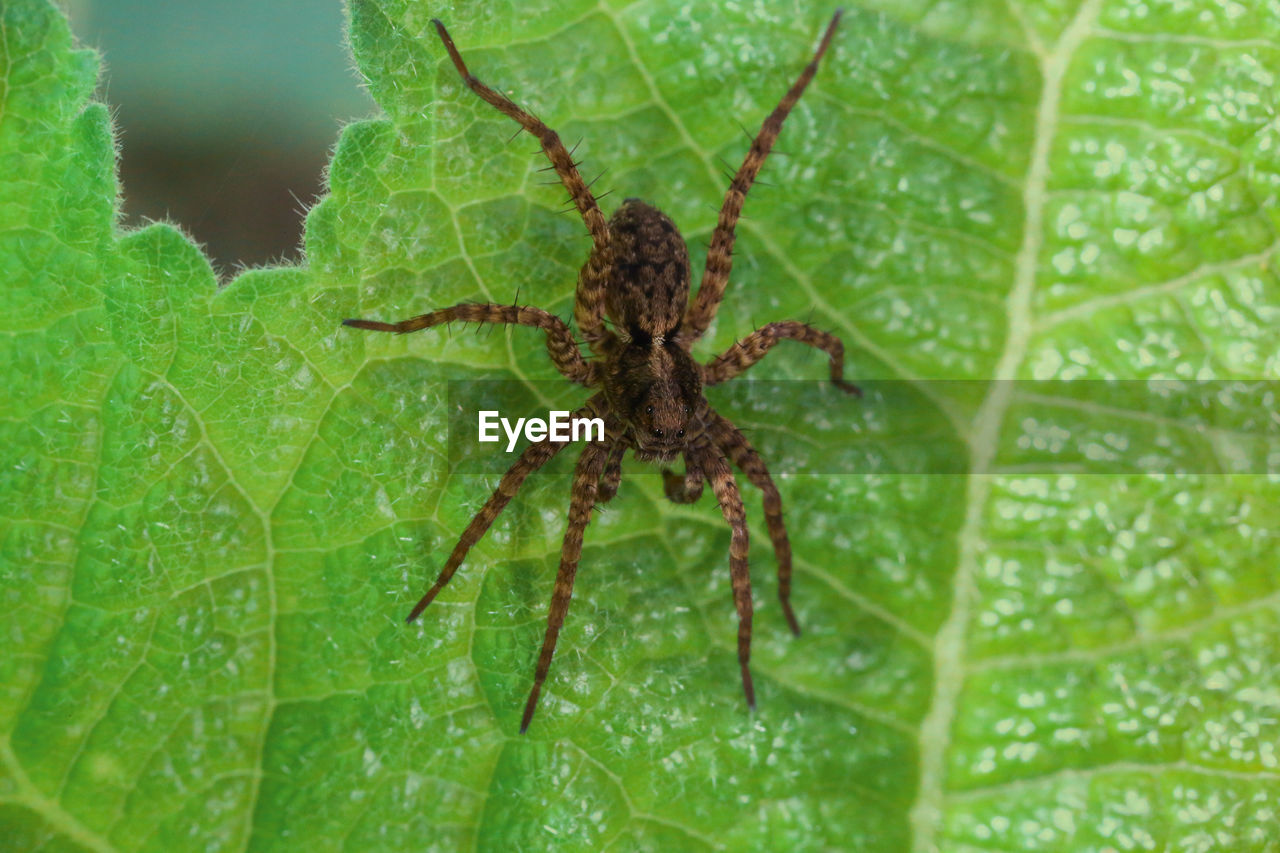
<point x="559" y="427"/>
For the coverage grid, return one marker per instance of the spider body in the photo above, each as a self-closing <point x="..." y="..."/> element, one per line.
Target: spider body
<point x="648" y="290"/>
<point x="648" y="384"/>
<point x="648" y="378"/>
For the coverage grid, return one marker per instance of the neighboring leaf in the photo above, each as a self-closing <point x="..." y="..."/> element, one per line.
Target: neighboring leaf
<point x="219" y="504"/>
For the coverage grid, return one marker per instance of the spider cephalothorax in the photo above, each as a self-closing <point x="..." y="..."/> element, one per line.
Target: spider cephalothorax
<point x="650" y="387"/>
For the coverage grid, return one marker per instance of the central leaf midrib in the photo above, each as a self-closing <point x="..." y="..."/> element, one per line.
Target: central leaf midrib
<point x="949" y="650"/>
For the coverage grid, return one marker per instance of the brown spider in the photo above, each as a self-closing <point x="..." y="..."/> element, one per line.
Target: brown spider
<point x="650" y="388"/>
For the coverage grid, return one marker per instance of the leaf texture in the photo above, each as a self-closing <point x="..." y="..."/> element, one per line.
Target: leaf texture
<point x="218" y="505"/>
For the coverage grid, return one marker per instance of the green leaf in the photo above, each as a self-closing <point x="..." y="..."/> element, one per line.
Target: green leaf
<point x="219" y="505"/>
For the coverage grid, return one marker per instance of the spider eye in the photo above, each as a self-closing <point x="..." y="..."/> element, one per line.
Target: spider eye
<point x="679" y="433"/>
<point x="648" y="410"/>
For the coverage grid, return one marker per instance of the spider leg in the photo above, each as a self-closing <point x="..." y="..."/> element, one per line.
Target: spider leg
<point x="589" y="307"/>
<point x="612" y="475"/>
<point x="560" y="343"/>
<point x="715" y="276"/>
<point x="686" y="489"/>
<point x="754" y="346"/>
<point x="717" y="471"/>
<point x="534" y="457"/>
<point x="729" y="439"/>
<point x="586" y="476"/>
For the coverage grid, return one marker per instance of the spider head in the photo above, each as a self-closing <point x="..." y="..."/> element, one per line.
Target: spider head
<point x="655" y="387"/>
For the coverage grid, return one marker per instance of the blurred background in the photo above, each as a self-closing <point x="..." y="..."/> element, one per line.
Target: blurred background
<point x="226" y="113"/>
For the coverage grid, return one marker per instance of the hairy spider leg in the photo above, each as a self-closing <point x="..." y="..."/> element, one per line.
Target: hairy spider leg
<point x="715" y="276"/>
<point x="713" y="465"/>
<point x="560" y="342"/>
<point x="586" y="477"/>
<point x="686" y="489"/>
<point x="534" y="457"/>
<point x="754" y="346"/>
<point x="612" y="476"/>
<point x="588" y="307"/>
<point x="740" y="452"/>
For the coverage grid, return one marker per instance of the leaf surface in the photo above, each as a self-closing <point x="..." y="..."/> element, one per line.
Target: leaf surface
<point x="219" y="505"/>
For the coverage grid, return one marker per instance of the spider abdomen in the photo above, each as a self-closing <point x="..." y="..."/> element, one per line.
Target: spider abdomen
<point x="648" y="286"/>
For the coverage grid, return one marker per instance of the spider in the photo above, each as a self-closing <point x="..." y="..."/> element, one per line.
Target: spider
<point x="649" y="387"/>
